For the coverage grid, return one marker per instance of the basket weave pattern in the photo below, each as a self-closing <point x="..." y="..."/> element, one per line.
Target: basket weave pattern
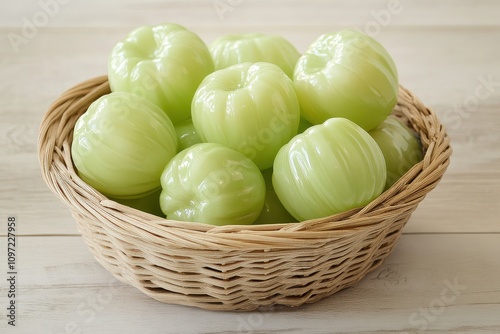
<point x="236" y="267"/>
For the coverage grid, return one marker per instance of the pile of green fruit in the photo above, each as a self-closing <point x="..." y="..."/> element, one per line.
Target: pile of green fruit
<point x="246" y="130"/>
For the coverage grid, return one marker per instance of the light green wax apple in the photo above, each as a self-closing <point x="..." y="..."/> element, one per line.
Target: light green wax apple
<point x="328" y="169"/>
<point x="186" y="134"/>
<point x="304" y="125"/>
<point x="121" y="145"/>
<point x="254" y="47"/>
<point x="149" y="203"/>
<point x="163" y="63"/>
<point x="400" y="146"/>
<point x="250" y="107"/>
<point x="210" y="183"/>
<point x="273" y="211"/>
<point x="346" y="74"/>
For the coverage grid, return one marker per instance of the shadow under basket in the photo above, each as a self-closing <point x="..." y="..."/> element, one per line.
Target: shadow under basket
<point x="237" y="267"/>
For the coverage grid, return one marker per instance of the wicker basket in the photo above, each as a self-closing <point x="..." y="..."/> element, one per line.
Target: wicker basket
<point x="236" y="267"/>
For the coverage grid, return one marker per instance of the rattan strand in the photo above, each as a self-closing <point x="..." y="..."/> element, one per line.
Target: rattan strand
<point x="237" y="267"/>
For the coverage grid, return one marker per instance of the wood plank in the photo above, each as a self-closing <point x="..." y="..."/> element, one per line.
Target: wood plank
<point x="463" y="202"/>
<point x="437" y="283"/>
<point x="78" y="54"/>
<point x="445" y="85"/>
<point x="248" y="13"/>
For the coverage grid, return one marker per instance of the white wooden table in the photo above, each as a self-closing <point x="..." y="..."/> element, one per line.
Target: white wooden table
<point x="444" y="275"/>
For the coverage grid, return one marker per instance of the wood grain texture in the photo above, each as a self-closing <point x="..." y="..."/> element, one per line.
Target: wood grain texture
<point x="432" y="281"/>
<point x="256" y="13"/>
<point x="473" y="129"/>
<point x="445" y="51"/>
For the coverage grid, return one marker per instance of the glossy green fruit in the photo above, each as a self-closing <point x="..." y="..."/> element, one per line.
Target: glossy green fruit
<point x="121" y="145"/>
<point x="330" y="168"/>
<point x="149" y="203"/>
<point x="250" y="107"/>
<point x="257" y="47"/>
<point x="163" y="63"/>
<point x="273" y="211"/>
<point x="186" y="134"/>
<point x="400" y="146"/>
<point x="304" y="125"/>
<point x="346" y="74"/>
<point x="210" y="183"/>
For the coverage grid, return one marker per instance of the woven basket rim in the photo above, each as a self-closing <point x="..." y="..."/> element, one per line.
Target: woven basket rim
<point x="55" y="139"/>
